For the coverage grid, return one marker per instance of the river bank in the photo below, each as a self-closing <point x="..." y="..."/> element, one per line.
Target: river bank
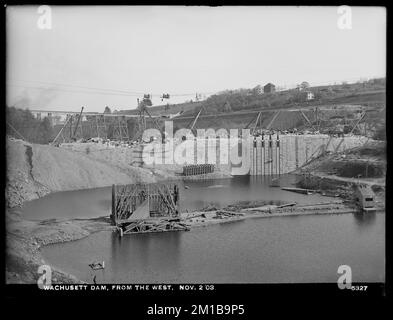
<point x="26" y="238"/>
<point x="340" y="173"/>
<point x="35" y="170"/>
<point x="37" y="175"/>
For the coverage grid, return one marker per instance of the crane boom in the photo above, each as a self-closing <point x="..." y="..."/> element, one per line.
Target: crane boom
<point x="77" y="124"/>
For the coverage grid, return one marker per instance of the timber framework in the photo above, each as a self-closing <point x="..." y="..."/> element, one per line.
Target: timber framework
<point x="153" y="207"/>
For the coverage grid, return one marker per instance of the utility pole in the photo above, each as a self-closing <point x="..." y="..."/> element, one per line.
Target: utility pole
<point x="71" y="126"/>
<point x="77" y="123"/>
<point x="17" y="132"/>
<point x="61" y="130"/>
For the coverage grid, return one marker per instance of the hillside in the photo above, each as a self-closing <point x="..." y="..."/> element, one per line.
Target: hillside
<point x="35" y="170"/>
<point x="235" y="109"/>
<point x="233" y="102"/>
<point x="167" y="109"/>
<point x="368" y="92"/>
<point x="289" y="119"/>
<point x="229" y="109"/>
<point x="365" y="164"/>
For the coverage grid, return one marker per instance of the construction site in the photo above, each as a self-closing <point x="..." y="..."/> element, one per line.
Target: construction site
<point x="275" y="143"/>
<point x="195" y="148"/>
<point x="330" y="150"/>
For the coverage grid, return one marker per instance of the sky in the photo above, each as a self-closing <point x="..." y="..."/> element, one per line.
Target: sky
<point x="96" y="56"/>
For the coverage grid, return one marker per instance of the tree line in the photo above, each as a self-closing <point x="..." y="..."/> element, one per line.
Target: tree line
<point x="22" y="123"/>
<point x="252" y="99"/>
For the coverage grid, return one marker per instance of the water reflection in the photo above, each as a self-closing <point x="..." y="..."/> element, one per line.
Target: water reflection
<point x="240" y="181"/>
<point x="198" y="195"/>
<point x="364" y="220"/>
<point x="280" y="249"/>
<point x="105" y="203"/>
<point x="144" y="250"/>
<point x="89" y="203"/>
<point x="201" y="194"/>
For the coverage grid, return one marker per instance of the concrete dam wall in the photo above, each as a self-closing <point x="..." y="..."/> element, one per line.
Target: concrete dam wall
<point x="286" y="153"/>
<point x="270" y="155"/>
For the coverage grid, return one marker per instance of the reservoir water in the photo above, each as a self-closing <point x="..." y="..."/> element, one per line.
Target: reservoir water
<point x="195" y="195"/>
<point x="259" y="250"/>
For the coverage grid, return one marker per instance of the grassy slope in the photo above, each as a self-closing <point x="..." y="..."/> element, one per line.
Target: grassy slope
<point x="369" y="161"/>
<point x="173" y="108"/>
<point x="287" y="119"/>
<point x="373" y="98"/>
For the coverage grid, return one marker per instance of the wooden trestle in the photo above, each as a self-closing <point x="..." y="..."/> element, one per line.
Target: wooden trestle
<point x="154" y="207"/>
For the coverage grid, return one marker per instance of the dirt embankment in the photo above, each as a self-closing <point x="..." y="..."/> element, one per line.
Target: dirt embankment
<point x="24" y="239"/>
<point x="342" y="171"/>
<point x="35" y="170"/>
<point x="367" y="162"/>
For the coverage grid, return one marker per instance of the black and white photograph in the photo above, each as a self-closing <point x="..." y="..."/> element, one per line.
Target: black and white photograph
<point x="183" y="148"/>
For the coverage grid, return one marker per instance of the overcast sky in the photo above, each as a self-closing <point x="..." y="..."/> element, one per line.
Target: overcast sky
<point x="98" y="56"/>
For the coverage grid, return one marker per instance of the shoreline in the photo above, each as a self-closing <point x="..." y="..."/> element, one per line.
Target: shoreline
<point x="77" y="229"/>
<point x="25" y="238"/>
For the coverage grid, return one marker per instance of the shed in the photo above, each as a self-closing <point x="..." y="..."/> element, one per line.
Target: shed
<point x="365" y="197"/>
<point x="269" y="88"/>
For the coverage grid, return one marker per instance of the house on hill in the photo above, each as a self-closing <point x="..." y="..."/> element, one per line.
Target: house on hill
<point x="269" y="88"/>
<point x="308" y="95"/>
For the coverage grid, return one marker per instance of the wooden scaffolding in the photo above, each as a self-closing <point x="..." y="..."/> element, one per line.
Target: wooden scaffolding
<point x="120" y="128"/>
<point x="71" y="130"/>
<point x="98" y="123"/>
<point x="146" y="208"/>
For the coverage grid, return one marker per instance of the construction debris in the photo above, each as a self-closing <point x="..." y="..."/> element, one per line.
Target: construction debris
<point x="146" y="208"/>
<point x="97" y="265"/>
<point x="300" y="190"/>
<point x="151" y="225"/>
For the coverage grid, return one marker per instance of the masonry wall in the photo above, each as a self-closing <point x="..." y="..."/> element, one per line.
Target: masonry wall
<point x="282" y="154"/>
<point x="293" y="151"/>
<point x="269" y="156"/>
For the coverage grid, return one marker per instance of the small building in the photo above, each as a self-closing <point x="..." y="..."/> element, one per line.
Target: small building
<point x="365" y="198"/>
<point x="269" y="88"/>
<point x="308" y="95"/>
<point x="257" y="90"/>
<point x="56" y="117"/>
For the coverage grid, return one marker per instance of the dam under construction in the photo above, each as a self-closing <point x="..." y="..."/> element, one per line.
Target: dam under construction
<point x="266" y="155"/>
<point x="176" y="205"/>
<point x="172" y="257"/>
<point x="195" y="151"/>
<point x="210" y="193"/>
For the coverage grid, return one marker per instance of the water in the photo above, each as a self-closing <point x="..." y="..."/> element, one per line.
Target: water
<point x="90" y="203"/>
<point x="260" y="250"/>
<point x="93" y="203"/>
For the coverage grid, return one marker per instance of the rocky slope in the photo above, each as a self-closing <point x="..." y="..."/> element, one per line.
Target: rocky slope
<point x="35" y="170"/>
